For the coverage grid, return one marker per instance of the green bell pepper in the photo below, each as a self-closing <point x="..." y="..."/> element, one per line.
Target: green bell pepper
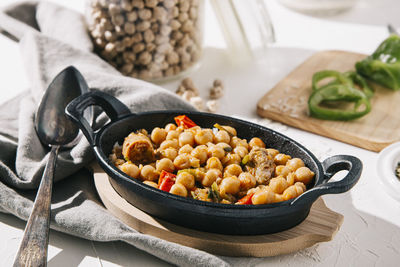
<point x="341" y="88"/>
<point x="383" y="66"/>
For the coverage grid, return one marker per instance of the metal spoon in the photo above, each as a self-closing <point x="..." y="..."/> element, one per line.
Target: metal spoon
<point x="55" y="130"/>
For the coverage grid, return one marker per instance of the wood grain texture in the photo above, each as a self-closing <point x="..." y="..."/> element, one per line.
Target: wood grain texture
<point x="287" y="103"/>
<point x="320" y="226"/>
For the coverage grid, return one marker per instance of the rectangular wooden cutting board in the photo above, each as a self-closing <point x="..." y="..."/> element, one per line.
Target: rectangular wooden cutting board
<point x="287" y="103"/>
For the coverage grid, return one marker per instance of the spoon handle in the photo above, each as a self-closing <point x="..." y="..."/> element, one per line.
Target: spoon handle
<point x="33" y="248"/>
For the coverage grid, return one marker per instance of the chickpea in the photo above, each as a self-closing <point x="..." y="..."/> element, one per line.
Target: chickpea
<point x="231" y="158"/>
<point x="152" y="184"/>
<point x="236" y="141"/>
<point x="119" y="162"/>
<point x="165" y="164"/>
<point x="303" y="186"/>
<point x="186" y="138"/>
<point x="204" y="136"/>
<point x="170" y="127"/>
<point x="194" y="162"/>
<point x="290" y="178"/>
<point x="182" y="161"/>
<point x="149" y="173"/>
<point x="273" y="152"/>
<point x="200" y="152"/>
<point x="158" y="135"/>
<point x="214" y="163"/>
<point x="216" y="151"/>
<point x="211" y="176"/>
<point x="230" y="130"/>
<point x="281" y="159"/>
<point x="230" y="185"/>
<point x="294" y="164"/>
<point x="241" y="151"/>
<point x="130" y="169"/>
<point x="264" y="196"/>
<point x="173" y="134"/>
<point x="256" y="142"/>
<point x="200" y="173"/>
<point x="232" y="170"/>
<point x="247" y="181"/>
<point x="170" y="153"/>
<point x="169" y="143"/>
<point x="194" y="130"/>
<point x="304" y="175"/>
<point x="292" y="191"/>
<point x="278" y="184"/>
<point x="186" y="179"/>
<point x="225" y="147"/>
<point x="222" y="137"/>
<point x="178" y="189"/>
<point x="278" y="198"/>
<point x="282" y="170"/>
<point x="185" y="149"/>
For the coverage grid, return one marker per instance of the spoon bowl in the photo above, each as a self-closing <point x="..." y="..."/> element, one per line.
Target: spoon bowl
<point x="56" y="130"/>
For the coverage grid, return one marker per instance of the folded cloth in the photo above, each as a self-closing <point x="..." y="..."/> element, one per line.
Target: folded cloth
<point x="51" y="38"/>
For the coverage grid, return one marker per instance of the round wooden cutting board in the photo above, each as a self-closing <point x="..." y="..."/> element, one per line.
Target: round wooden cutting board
<point x="320" y="226"/>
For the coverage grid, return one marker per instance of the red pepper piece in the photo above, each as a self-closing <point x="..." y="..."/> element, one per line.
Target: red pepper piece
<point x="246" y="200"/>
<point x="166" y="181"/>
<point x="183" y="120"/>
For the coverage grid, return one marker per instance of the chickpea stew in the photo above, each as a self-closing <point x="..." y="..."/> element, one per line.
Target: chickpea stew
<point x="213" y="165"/>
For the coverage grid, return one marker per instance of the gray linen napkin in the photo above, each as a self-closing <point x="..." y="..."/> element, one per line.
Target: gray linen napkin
<point x="51" y="38"/>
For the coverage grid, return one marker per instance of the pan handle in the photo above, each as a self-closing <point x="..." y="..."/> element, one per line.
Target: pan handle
<point x="114" y="109"/>
<point x="333" y="165"/>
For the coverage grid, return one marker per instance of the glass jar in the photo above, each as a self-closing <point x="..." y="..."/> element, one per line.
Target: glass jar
<point x="148" y="39"/>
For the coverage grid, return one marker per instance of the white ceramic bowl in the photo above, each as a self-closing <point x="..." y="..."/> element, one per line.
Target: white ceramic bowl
<point x="385" y="168"/>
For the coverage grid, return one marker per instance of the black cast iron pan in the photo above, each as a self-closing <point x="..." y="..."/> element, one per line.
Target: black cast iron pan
<point x="206" y="216"/>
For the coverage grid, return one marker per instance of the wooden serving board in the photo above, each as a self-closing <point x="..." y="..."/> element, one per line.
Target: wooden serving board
<point x="320" y="226"/>
<point x="287" y="103"/>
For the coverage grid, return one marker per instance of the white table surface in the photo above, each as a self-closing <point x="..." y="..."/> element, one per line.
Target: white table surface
<point x="370" y="234"/>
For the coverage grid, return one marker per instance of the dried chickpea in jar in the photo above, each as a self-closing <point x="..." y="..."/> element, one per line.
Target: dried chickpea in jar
<point x="147" y="39"/>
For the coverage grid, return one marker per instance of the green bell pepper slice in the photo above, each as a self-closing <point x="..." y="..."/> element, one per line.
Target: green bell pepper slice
<point x="383" y="66"/>
<point x="338" y="92"/>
